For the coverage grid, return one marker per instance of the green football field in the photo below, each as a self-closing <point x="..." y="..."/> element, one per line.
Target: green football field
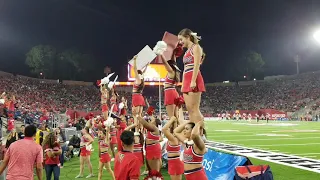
<point x="295" y="138"/>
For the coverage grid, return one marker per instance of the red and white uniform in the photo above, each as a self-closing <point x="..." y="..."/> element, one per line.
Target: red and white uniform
<point x="122" y="127"/>
<point x="137" y="151"/>
<point x="190" y="157"/>
<point x="223" y="115"/>
<point x="170" y="92"/>
<point x="268" y="116"/>
<point x="153" y="151"/>
<point x="137" y="98"/>
<point x="244" y="116"/>
<point x="175" y="165"/>
<point x="249" y="116"/>
<point x="83" y="149"/>
<point x="113" y="134"/>
<point x="219" y="116"/>
<point x="113" y="102"/>
<point x="257" y="116"/>
<point x="188" y="61"/>
<point x="104" y="105"/>
<point x="104" y="156"/>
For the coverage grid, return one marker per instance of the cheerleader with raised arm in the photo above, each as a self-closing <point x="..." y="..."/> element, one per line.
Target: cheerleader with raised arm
<point x="103" y="153"/>
<point x="189" y="133"/>
<point x="85" y="152"/>
<point x="152" y="146"/>
<point x="172" y="79"/>
<point x="138" y="142"/>
<point x="192" y="82"/>
<point x="137" y="99"/>
<point x="175" y="165"/>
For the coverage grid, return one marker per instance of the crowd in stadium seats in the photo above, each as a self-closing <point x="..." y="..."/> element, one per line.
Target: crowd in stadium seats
<point x="287" y="93"/>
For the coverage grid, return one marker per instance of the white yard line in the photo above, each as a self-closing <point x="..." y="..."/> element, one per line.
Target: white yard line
<point x="269" y="139"/>
<point x="310" y="156"/>
<point x="305" y="154"/>
<point x="271" y="145"/>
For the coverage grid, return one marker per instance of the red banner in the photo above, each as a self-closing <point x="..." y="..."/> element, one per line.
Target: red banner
<point x="274" y="114"/>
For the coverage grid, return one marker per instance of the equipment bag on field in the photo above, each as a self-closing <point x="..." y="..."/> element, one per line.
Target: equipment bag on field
<point x="262" y="172"/>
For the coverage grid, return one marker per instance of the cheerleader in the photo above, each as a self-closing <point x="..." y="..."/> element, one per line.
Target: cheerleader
<point x="104" y="101"/>
<point x="123" y="110"/>
<point x="113" y="142"/>
<point x="189" y="133"/>
<point x="152" y="146"/>
<point x="192" y="83"/>
<point x="172" y="79"/>
<point x="85" y="148"/>
<point x="113" y="101"/>
<point x="103" y="153"/>
<point x="138" y="143"/>
<point x="137" y="99"/>
<point x="121" y="127"/>
<point x="175" y="165"/>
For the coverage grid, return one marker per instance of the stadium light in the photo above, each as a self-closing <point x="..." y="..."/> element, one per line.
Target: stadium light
<point x="316" y="36"/>
<point x="244" y="76"/>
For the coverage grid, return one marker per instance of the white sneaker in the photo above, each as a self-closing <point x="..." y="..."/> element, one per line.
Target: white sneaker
<point x="90" y="175"/>
<point x="79" y="176"/>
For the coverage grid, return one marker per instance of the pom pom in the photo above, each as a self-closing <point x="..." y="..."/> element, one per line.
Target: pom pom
<point x="160" y="47"/>
<point x="178" y="51"/>
<point x="89" y="147"/>
<point x="136" y="133"/>
<point x="108" y="122"/>
<point x="121" y="105"/>
<point x="111" y="85"/>
<point x="106" y="80"/>
<point x="150" y="110"/>
<point x="179" y="101"/>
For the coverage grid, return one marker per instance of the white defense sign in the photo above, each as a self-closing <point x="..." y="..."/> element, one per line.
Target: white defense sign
<point x="145" y="56"/>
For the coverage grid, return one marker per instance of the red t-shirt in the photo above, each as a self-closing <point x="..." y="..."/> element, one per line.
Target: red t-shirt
<point x="52" y="160"/>
<point x="125" y="166"/>
<point x="10" y="124"/>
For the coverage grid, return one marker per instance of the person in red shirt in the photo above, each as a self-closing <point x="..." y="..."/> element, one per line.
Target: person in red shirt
<point x="52" y="152"/>
<point x="10" y="123"/>
<point x="125" y="165"/>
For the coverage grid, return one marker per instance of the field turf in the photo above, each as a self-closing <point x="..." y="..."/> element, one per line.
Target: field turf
<point x="295" y="138"/>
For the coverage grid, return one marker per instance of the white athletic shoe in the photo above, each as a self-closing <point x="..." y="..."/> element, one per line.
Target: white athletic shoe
<point x="90" y="175"/>
<point x="79" y="176"/>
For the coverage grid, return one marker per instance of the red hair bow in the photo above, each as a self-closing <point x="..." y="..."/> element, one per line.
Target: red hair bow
<point x="150" y="110"/>
<point x="178" y="50"/>
<point x="179" y="101"/>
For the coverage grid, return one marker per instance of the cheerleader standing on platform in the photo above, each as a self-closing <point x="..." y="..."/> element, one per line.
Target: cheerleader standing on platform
<point x="103" y="153"/>
<point x="152" y="146"/>
<point x="175" y="165"/>
<point x="189" y="133"/>
<point x="192" y="83"/>
<point x="172" y="79"/>
<point x="85" y="152"/>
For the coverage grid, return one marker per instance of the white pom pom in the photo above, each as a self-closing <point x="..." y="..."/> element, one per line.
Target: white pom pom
<point x="110" y="85"/>
<point x="1" y="101"/>
<point x="89" y="147"/>
<point x="160" y="47"/>
<point x="121" y="105"/>
<point x="136" y="133"/>
<point x="108" y="122"/>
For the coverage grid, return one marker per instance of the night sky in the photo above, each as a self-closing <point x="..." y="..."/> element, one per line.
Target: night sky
<point x="114" y="31"/>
